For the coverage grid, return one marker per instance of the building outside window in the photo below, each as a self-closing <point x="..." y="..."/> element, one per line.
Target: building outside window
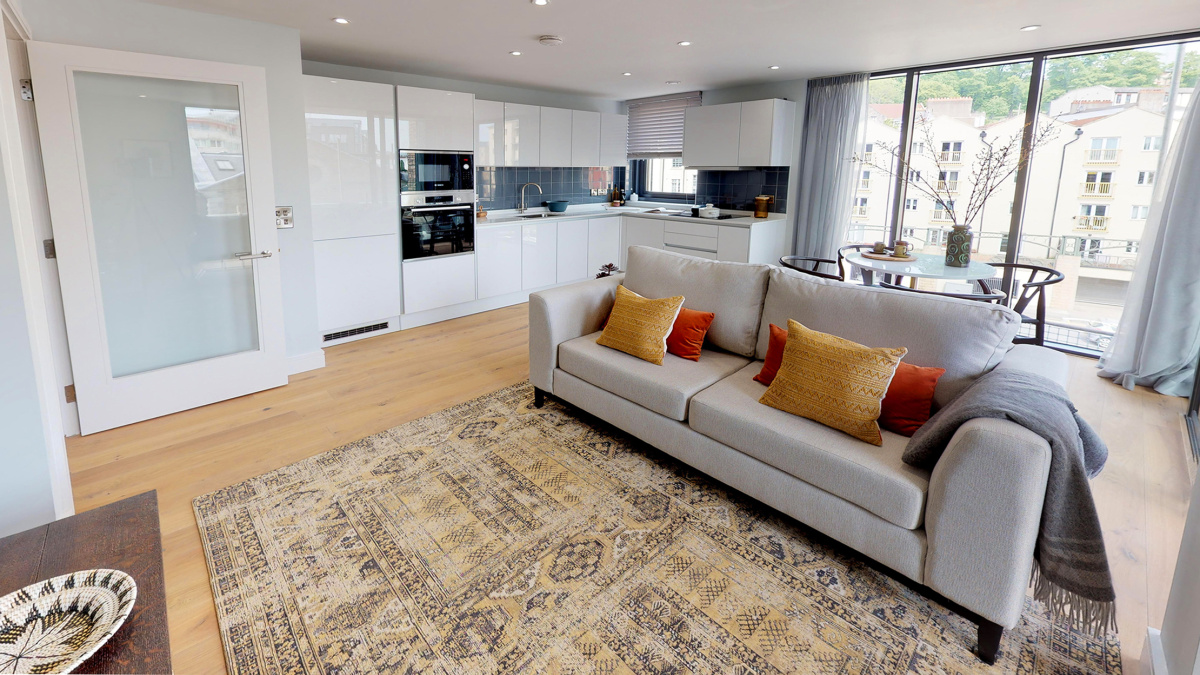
<point x="948" y="181"/>
<point x="666" y="176"/>
<point x="1131" y="247"/>
<point x="935" y="237"/>
<point x="1105" y="150"/>
<point x="952" y="151"/>
<point x="865" y="182"/>
<point x="676" y="185"/>
<point x="1152" y="143"/>
<point x="860" y="207"/>
<point x="1145" y="178"/>
<point x="677" y="162"/>
<point x="912" y="204"/>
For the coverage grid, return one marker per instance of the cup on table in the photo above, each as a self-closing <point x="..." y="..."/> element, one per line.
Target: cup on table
<point x="900" y="250"/>
<point x="880" y="247"/>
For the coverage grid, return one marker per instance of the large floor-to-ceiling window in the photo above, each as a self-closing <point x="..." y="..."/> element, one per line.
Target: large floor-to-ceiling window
<point x="1091" y="126"/>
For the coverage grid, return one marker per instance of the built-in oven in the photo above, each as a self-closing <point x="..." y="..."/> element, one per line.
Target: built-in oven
<point x="437" y="223"/>
<point x="436" y="171"/>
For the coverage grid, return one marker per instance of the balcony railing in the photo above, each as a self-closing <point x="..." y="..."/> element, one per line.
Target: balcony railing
<point x="864" y="184"/>
<point x="941" y="215"/>
<point x="1097" y="189"/>
<point x="950" y="156"/>
<point x="1092" y="223"/>
<point x="858" y="211"/>
<point x="947" y="186"/>
<point x="1103" y="156"/>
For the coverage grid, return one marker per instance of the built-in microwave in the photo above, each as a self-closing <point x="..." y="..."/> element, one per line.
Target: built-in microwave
<point x="436" y="171"/>
<point x="434" y="224"/>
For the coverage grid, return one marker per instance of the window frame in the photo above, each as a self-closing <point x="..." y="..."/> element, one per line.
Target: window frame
<point x="639" y="184"/>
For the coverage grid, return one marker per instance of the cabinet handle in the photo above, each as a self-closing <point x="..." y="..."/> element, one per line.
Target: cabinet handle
<point x="253" y="256"/>
<point x="691" y="248"/>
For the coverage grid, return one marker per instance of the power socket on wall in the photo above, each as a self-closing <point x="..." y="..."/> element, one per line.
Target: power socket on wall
<point x="283" y="218"/>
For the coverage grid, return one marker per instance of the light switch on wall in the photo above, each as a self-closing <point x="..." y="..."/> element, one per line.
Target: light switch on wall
<point x="283" y="218"/>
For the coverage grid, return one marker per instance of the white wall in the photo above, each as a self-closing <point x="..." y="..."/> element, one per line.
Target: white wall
<point x="792" y="90"/>
<point x="488" y="92"/>
<point x="141" y="27"/>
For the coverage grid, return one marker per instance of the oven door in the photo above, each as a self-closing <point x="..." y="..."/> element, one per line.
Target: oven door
<point x="437" y="230"/>
<point x="436" y="171"/>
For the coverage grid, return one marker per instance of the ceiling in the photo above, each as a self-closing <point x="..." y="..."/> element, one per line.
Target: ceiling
<point x="733" y="41"/>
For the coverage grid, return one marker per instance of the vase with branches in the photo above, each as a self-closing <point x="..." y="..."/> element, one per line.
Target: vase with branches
<point x="991" y="168"/>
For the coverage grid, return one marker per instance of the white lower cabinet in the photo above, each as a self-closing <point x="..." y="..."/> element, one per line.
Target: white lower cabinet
<point x="439" y="281"/>
<point x="640" y="232"/>
<point x="358" y="280"/>
<point x="572" y="251"/>
<point x="604" y="243"/>
<point x="498" y="260"/>
<point x="539" y="255"/>
<point x="733" y="244"/>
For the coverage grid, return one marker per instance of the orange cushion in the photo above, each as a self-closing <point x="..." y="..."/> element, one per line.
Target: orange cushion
<point x="774" y="356"/>
<point x="687" y="335"/>
<point x="909" y="400"/>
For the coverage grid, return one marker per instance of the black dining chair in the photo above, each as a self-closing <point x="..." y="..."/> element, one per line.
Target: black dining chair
<point x="990" y="296"/>
<point x="1027" y="290"/>
<point x="809" y="266"/>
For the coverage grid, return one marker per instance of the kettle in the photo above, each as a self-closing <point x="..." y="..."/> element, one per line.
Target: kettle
<point x="709" y="211"/>
<point x="761" y="203"/>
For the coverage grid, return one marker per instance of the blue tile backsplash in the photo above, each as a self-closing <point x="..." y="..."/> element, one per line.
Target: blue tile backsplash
<point x="737" y="189"/>
<point x="499" y="187"/>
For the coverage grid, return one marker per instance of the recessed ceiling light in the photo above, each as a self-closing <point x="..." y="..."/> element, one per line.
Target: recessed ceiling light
<point x="627" y="74"/>
<point x="540" y="3"/>
<point x="673" y="82"/>
<point x="515" y="53"/>
<point x="141" y="96"/>
<point x="338" y="19"/>
<point x="1031" y="27"/>
<point x="685" y="43"/>
<point x="774" y="67"/>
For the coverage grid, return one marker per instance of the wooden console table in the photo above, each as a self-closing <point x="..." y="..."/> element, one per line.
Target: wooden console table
<point x="123" y="535"/>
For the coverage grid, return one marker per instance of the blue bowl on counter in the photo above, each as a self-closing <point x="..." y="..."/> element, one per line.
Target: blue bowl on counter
<point x="558" y="206"/>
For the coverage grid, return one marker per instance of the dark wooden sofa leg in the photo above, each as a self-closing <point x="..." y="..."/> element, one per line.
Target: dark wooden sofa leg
<point x="989" y="640"/>
<point x="539" y="397"/>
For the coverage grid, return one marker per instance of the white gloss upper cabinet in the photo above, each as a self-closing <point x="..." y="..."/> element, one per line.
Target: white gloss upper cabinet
<point x="431" y="119"/>
<point x="614" y="139"/>
<point x="604" y="243"/>
<point x="489" y="133"/>
<point x="572" y="251"/>
<point x="556" y="137"/>
<point x="539" y="255"/>
<point x="585" y="138"/>
<point x="765" y="132"/>
<point x="710" y="135"/>
<point x="498" y="259"/>
<point x="522" y="134"/>
<point x="353" y="180"/>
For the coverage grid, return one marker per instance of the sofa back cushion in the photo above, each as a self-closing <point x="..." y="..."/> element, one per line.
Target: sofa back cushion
<point x="965" y="337"/>
<point x="734" y="292"/>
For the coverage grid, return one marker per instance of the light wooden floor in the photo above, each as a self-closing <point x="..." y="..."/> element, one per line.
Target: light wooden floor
<point x="378" y="383"/>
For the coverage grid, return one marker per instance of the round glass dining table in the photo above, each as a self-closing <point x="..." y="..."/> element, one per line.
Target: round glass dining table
<point x="926" y="266"/>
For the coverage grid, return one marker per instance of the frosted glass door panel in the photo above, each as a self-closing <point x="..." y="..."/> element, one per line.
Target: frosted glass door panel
<point x="166" y="191"/>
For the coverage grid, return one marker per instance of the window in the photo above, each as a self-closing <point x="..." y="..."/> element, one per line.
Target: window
<point x="1092" y="217"/>
<point x="952" y="151"/>
<point x="865" y="182"/>
<point x="914" y="176"/>
<point x="935" y="237"/>
<point x="676" y="185"/>
<point x="1145" y="178"/>
<point x="655" y="147"/>
<point x="1152" y="143"/>
<point x="860" y="207"/>
<point x="1098" y="183"/>
<point x="912" y="204"/>
<point x="1140" y="212"/>
<point x="660" y="178"/>
<point x="1004" y="243"/>
<point x="948" y="181"/>
<point x="677" y="163"/>
<point x="224" y="165"/>
<point x="942" y="210"/>
<point x="1105" y="150"/>
<point x="1131" y="247"/>
<point x="918" y="149"/>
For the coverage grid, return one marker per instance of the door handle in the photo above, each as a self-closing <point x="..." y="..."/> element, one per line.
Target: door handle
<point x="253" y="256"/>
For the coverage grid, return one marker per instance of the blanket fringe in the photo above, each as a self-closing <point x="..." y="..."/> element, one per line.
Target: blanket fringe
<point x="1092" y="616"/>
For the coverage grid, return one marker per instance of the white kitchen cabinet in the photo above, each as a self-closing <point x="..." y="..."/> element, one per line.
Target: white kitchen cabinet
<point x="640" y="232"/>
<point x="604" y="243"/>
<point x="353" y="180"/>
<point x="614" y="139"/>
<point x="539" y="255"/>
<point x="733" y="244"/>
<point x="358" y="280"/>
<point x="431" y="119"/>
<point x="585" y="138"/>
<point x="489" y="133"/>
<point x="572" y="251"/>
<point x="556" y="137"/>
<point x="710" y="135"/>
<point x="766" y="133"/>
<point x="522" y="134"/>
<point x="439" y="281"/>
<point x="498" y="259"/>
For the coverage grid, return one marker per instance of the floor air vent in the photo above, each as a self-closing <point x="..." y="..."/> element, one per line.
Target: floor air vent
<point x="355" y="331"/>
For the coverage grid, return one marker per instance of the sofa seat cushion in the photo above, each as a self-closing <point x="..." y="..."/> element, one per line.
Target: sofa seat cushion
<point x="665" y="389"/>
<point x="873" y="477"/>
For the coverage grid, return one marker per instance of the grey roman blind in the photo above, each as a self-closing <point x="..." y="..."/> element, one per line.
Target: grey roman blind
<point x="656" y="125"/>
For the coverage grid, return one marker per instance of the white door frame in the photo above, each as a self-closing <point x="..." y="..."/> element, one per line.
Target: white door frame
<point x="17" y="183"/>
<point x="105" y="402"/>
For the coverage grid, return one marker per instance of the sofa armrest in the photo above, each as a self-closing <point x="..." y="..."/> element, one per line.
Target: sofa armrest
<point x="982" y="517"/>
<point x="1040" y="361"/>
<point x="565" y="313"/>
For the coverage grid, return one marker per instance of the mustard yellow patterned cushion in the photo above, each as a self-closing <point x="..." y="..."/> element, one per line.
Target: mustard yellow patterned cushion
<point x="836" y="382"/>
<point x="639" y="326"/>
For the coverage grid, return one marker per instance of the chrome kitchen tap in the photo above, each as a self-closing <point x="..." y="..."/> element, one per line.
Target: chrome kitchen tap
<point x="523" y="208"/>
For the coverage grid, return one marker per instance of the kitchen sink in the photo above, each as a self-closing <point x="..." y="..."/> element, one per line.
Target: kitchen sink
<point x="538" y="215"/>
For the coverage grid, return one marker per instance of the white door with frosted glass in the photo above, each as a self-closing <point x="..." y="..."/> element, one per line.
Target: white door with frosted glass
<point x="158" y="171"/>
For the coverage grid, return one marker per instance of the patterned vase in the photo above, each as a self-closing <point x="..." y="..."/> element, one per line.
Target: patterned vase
<point x="958" y="248"/>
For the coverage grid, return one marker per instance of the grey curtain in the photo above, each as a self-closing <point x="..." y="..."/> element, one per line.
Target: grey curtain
<point x="1158" y="339"/>
<point x="834" y="115"/>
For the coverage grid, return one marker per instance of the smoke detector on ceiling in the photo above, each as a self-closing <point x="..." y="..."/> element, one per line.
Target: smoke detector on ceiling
<point x="550" y="40"/>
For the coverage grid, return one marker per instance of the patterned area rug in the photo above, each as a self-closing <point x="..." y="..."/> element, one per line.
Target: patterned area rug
<point x="496" y="537"/>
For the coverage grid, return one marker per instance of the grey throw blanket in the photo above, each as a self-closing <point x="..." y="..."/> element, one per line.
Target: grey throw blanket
<point x="1070" y="572"/>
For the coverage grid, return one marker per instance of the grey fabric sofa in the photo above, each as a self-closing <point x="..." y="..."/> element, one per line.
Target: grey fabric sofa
<point x="966" y="530"/>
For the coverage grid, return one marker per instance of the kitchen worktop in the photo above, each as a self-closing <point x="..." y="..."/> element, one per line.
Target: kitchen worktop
<point x="741" y="218"/>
